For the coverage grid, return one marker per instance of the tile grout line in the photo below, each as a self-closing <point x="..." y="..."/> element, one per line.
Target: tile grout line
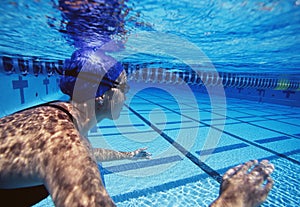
<point x="214" y="174"/>
<point x="270" y="119"/>
<point x="237" y="119"/>
<point x="232" y="135"/>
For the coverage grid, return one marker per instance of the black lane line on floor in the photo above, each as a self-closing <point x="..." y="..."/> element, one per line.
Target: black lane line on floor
<point x="265" y="117"/>
<point x="233" y="135"/>
<point x="173" y="184"/>
<point x="245" y="122"/>
<point x="140" y="164"/>
<point x="250" y="123"/>
<point x="237" y="119"/>
<point x="211" y="172"/>
<point x="262" y="127"/>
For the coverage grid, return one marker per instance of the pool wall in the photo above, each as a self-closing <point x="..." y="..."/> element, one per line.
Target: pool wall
<point x="23" y="88"/>
<point x="25" y="74"/>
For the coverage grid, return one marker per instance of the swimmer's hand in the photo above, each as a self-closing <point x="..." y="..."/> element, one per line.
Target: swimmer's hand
<point x="246" y="185"/>
<point x="140" y="154"/>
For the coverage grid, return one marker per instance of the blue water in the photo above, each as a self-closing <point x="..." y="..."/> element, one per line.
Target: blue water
<point x="257" y="36"/>
<point x="187" y="128"/>
<point x="251" y="131"/>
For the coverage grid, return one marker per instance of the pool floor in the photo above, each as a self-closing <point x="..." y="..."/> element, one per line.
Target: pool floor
<point x="193" y="145"/>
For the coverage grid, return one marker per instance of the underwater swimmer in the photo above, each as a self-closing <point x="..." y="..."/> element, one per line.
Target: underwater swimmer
<point x="44" y="149"/>
<point x="47" y="144"/>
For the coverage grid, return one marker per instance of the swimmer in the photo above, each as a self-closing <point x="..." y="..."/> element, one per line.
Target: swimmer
<point x="44" y="149"/>
<point x="47" y="145"/>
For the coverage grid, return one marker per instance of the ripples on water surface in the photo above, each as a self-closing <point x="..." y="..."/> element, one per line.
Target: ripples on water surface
<point x="257" y="36"/>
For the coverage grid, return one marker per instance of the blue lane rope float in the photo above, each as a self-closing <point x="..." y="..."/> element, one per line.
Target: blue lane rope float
<point x="143" y="73"/>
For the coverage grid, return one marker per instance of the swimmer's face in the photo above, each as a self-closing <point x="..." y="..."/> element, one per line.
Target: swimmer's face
<point x="119" y="96"/>
<point x="118" y="99"/>
<point x="114" y="100"/>
<point x="117" y="104"/>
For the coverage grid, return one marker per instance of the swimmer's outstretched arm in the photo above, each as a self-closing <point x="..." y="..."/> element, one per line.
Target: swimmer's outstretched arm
<point x="244" y="185"/>
<point x="103" y="155"/>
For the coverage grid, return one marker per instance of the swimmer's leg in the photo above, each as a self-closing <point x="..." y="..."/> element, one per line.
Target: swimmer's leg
<point x="103" y="155"/>
<point x="244" y="185"/>
<point x="22" y="197"/>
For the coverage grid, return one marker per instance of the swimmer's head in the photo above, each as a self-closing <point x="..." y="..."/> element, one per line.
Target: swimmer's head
<point x="89" y="74"/>
<point x="94" y="75"/>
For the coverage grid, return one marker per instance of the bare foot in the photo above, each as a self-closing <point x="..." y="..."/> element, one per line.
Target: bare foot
<point x="246" y="185"/>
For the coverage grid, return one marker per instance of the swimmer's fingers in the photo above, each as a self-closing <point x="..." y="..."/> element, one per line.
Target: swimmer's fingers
<point x="266" y="167"/>
<point x="228" y="177"/>
<point x="231" y="172"/>
<point x="245" y="168"/>
<point x="261" y="172"/>
<point x="239" y="170"/>
<point x="269" y="185"/>
<point x="143" y="149"/>
<point x="141" y="154"/>
<point x="266" y="189"/>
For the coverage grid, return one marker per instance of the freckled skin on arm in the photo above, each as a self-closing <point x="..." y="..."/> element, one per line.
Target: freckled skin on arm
<point x="42" y="146"/>
<point x="75" y="179"/>
<point x="103" y="155"/>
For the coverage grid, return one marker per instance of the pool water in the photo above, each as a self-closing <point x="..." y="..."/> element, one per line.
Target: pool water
<point x="252" y="131"/>
<point x="212" y="85"/>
